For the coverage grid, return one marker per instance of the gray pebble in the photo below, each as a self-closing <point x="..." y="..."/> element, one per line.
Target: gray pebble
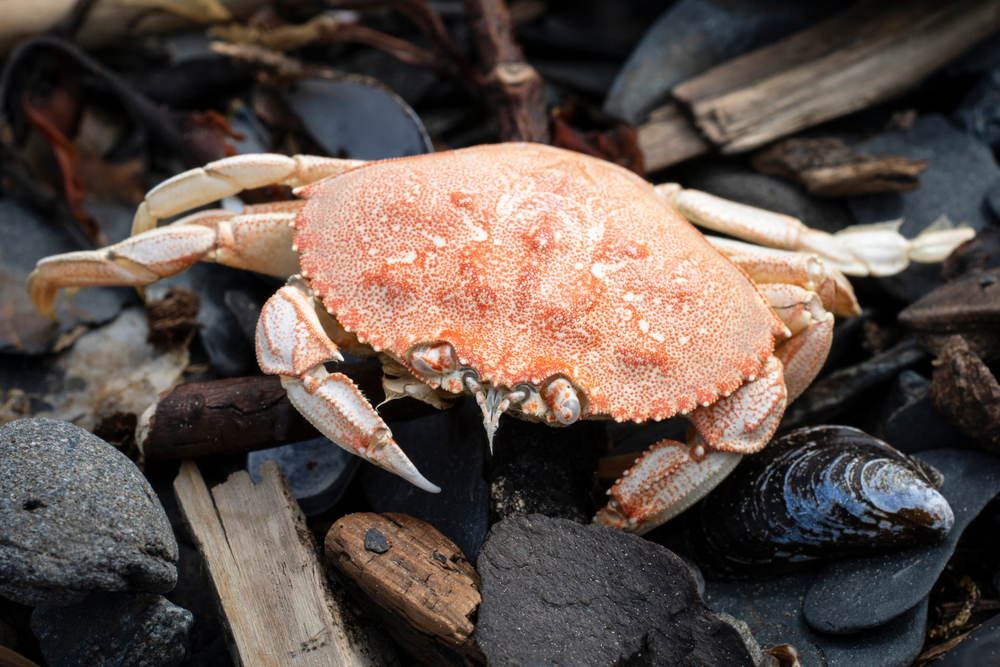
<point x="76" y="516"/>
<point x="114" y="630"/>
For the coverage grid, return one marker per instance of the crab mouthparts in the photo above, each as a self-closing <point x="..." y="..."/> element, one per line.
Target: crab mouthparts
<point x="493" y="402"/>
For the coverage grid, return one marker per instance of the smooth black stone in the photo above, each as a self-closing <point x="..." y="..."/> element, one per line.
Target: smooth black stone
<point x="979" y="649"/>
<point x="773" y="610"/>
<point x="853" y="595"/>
<point x="409" y="82"/>
<point x="556" y="592"/>
<point x="449" y="450"/>
<point x="979" y="112"/>
<point x="961" y="171"/>
<point x="76" y="516"/>
<point x="359" y="119"/>
<point x="375" y="541"/>
<point x="114" y="630"/>
<point x="693" y="36"/>
<point x="317" y="470"/>
<point x="28" y="236"/>
<point x="542" y="469"/>
<point x="911" y="423"/>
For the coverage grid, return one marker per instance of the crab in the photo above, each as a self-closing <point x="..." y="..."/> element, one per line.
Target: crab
<point x="544" y="283"/>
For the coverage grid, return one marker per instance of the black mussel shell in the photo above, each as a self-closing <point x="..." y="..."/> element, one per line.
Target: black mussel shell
<point x="817" y="493"/>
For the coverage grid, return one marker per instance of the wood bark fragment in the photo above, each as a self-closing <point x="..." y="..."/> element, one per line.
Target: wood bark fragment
<point x="864" y="55"/>
<point x="513" y="86"/>
<point x="828" y="168"/>
<point x="423" y="589"/>
<point x="265" y="572"/>
<point x="10" y="658"/>
<point x="964" y="390"/>
<point x="969" y="306"/>
<point x="240" y="415"/>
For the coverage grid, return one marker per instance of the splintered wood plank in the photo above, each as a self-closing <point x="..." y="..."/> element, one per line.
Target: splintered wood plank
<point x="860" y="57"/>
<point x="264" y="566"/>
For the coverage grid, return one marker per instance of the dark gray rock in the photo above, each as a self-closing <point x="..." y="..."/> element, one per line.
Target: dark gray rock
<point x="693" y="36"/>
<point x="853" y="595"/>
<point x="979" y="649"/>
<point x="449" y="450"/>
<point x="539" y="469"/>
<point x="114" y="630"/>
<point x="76" y="516"/>
<point x="734" y="182"/>
<point x="773" y="610"/>
<point x="556" y="592"/>
<point x="911" y="423"/>
<point x="961" y="171"/>
<point x="28" y="236"/>
<point x="359" y="119"/>
<point x="979" y="112"/>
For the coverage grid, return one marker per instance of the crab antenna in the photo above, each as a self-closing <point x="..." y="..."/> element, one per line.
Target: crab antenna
<point x="493" y="403"/>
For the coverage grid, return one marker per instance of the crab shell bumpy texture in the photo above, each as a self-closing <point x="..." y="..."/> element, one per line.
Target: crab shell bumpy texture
<point x="536" y="262"/>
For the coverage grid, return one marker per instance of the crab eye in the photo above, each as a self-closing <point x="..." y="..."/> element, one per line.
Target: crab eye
<point x="562" y="398"/>
<point x="433" y="358"/>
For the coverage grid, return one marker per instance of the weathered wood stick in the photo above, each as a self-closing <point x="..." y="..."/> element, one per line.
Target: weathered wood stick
<point x="415" y="580"/>
<point x="242" y="415"/>
<point x="9" y="658"/>
<point x="265" y="572"/>
<point x="859" y="57"/>
<point x="862" y="56"/>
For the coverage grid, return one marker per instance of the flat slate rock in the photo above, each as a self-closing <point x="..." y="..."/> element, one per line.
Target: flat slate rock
<point x="853" y="595"/>
<point x="114" y="630"/>
<point x="558" y="593"/>
<point x="980" y="649"/>
<point x="961" y="172"/>
<point x="773" y="610"/>
<point x="76" y="516"/>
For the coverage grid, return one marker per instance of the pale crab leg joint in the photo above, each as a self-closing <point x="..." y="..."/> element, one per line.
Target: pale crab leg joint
<point x="229" y="176"/>
<point x="258" y="240"/>
<point x="861" y="250"/>
<point x="292" y="343"/>
<point x="493" y="402"/>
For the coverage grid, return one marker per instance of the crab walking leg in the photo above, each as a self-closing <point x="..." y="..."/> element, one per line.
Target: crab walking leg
<point x="812" y="334"/>
<point x="861" y="250"/>
<point x="259" y="240"/>
<point x="670" y="477"/>
<point x="768" y="266"/>
<point x="292" y="343"/>
<point x="229" y="176"/>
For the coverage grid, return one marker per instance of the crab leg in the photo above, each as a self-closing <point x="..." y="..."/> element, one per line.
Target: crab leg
<point x="812" y="334"/>
<point x="769" y="266"/>
<point x="259" y="240"/>
<point x="670" y="477"/>
<point x="229" y="176"/>
<point x="292" y="343"/>
<point x="877" y="250"/>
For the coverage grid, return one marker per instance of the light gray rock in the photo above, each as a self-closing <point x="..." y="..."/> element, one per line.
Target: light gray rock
<point x="76" y="516"/>
<point x="113" y="630"/>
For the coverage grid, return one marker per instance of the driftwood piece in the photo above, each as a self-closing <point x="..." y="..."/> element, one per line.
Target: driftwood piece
<point x="964" y="390"/>
<point x="415" y="579"/>
<point x="10" y="658"/>
<point x="668" y="137"/>
<point x="828" y="168"/>
<point x="969" y="306"/>
<point x="265" y="571"/>
<point x="859" y="57"/>
<point x="241" y="415"/>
